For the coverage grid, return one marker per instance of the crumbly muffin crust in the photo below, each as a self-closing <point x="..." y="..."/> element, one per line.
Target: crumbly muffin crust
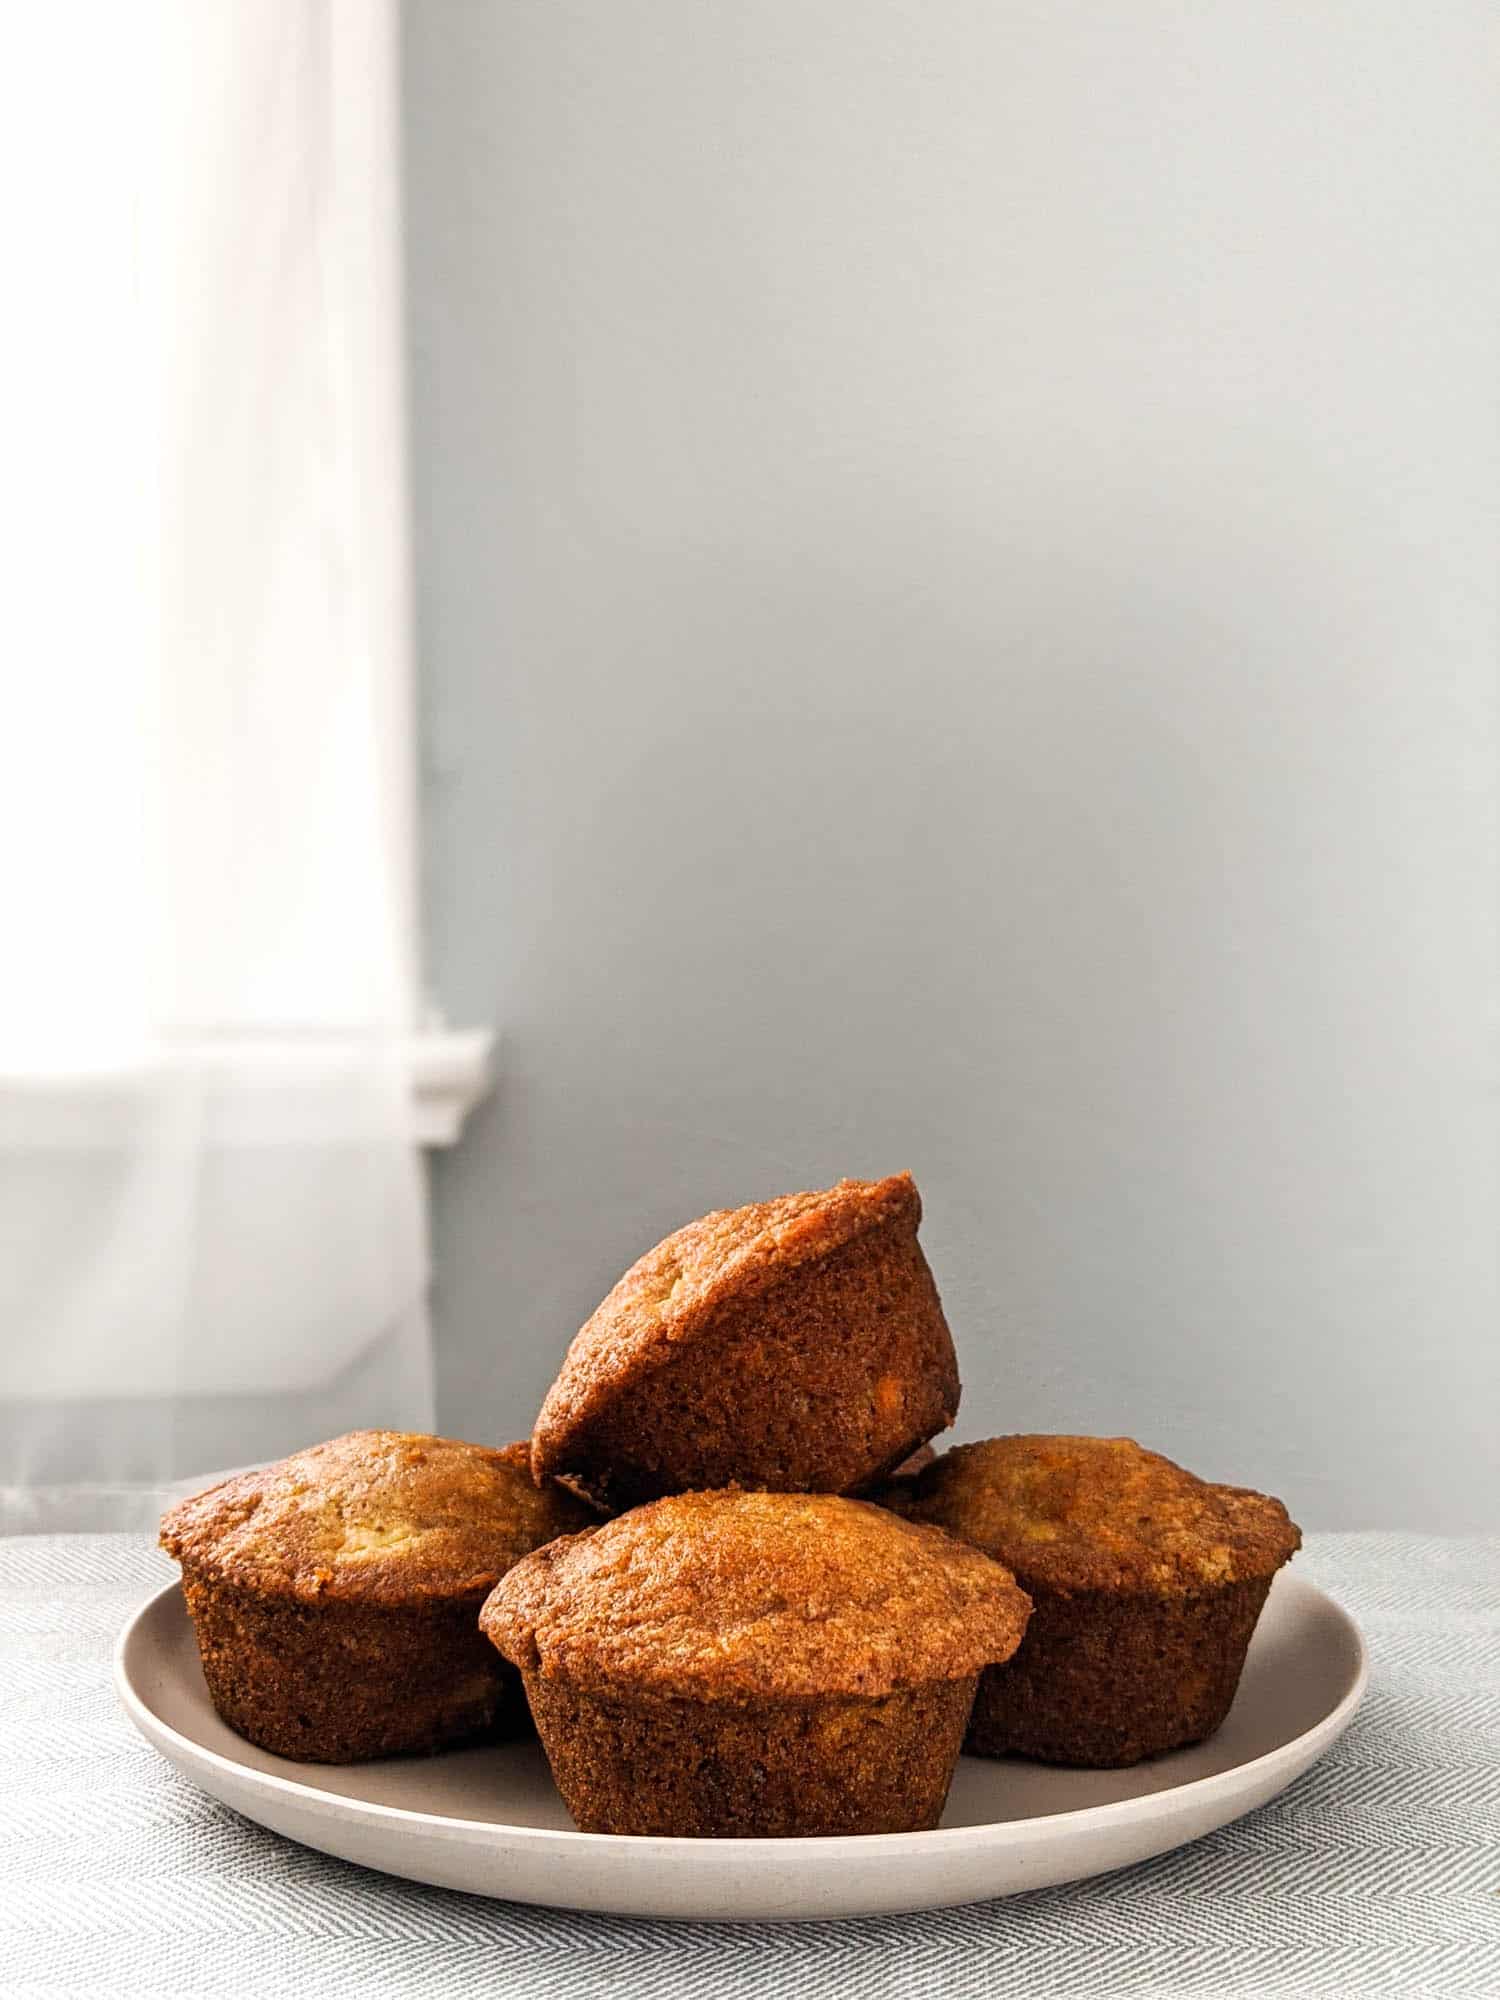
<point x="797" y="1344"/>
<point x="335" y="1597"/>
<point x="732" y="1253"/>
<point x="735" y="1595"/>
<point x="375" y="1518"/>
<point x="1104" y="1678"/>
<point x="753" y="1769"/>
<point x="1146" y="1583"/>
<point x="340" y="1683"/>
<point x="1074" y="1514"/>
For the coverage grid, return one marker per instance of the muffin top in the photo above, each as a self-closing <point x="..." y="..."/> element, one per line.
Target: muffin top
<point x="376" y="1517"/>
<point x="734" y="1594"/>
<point x="1080" y="1513"/>
<point x="675" y="1290"/>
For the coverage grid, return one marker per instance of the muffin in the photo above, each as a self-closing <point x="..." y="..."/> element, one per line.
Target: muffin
<point x="797" y="1345"/>
<point x="1146" y="1583"/>
<point x="336" y="1595"/>
<point x="751" y="1663"/>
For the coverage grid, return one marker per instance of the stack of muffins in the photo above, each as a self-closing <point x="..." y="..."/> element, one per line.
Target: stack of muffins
<point x="725" y="1578"/>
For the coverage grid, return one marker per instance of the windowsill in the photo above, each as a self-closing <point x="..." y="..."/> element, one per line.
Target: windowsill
<point x="451" y="1070"/>
<point x="448" y="1071"/>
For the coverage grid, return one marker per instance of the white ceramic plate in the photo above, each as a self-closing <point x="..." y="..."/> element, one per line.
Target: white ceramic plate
<point x="489" y="1821"/>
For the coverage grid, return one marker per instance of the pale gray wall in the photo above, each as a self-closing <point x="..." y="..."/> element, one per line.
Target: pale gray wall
<point x="958" y="603"/>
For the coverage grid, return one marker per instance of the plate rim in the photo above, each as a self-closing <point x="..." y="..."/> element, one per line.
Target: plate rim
<point x="1319" y="1737"/>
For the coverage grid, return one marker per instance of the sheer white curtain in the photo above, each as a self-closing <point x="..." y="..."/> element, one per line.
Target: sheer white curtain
<point x="212" y="1238"/>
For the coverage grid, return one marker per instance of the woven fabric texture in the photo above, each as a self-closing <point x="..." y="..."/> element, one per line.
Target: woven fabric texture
<point x="1377" y="1874"/>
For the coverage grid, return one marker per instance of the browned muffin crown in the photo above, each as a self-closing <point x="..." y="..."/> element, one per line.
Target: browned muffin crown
<point x="375" y="1517"/>
<point x="1082" y="1514"/>
<point x="796" y="1344"/>
<point x="746" y="1594"/>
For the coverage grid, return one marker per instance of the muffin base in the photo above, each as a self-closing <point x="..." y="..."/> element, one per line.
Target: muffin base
<point x="653" y="1764"/>
<point x="340" y="1683"/>
<point x="821" y="1385"/>
<point x="1102" y="1679"/>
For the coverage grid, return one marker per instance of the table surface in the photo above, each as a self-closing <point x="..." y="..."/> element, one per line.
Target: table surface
<point x="1378" y="1873"/>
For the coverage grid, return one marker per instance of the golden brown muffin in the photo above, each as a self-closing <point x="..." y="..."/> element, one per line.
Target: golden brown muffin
<point x="751" y="1663"/>
<point x="797" y="1345"/>
<point x="336" y="1595"/>
<point x="1146" y="1583"/>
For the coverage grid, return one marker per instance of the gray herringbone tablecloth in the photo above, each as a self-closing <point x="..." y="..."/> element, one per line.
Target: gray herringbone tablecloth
<point x="1379" y="1873"/>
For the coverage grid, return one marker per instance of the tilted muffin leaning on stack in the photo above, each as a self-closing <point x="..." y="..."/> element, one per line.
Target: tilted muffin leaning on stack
<point x="797" y="1345"/>
<point x="754" y="1648"/>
